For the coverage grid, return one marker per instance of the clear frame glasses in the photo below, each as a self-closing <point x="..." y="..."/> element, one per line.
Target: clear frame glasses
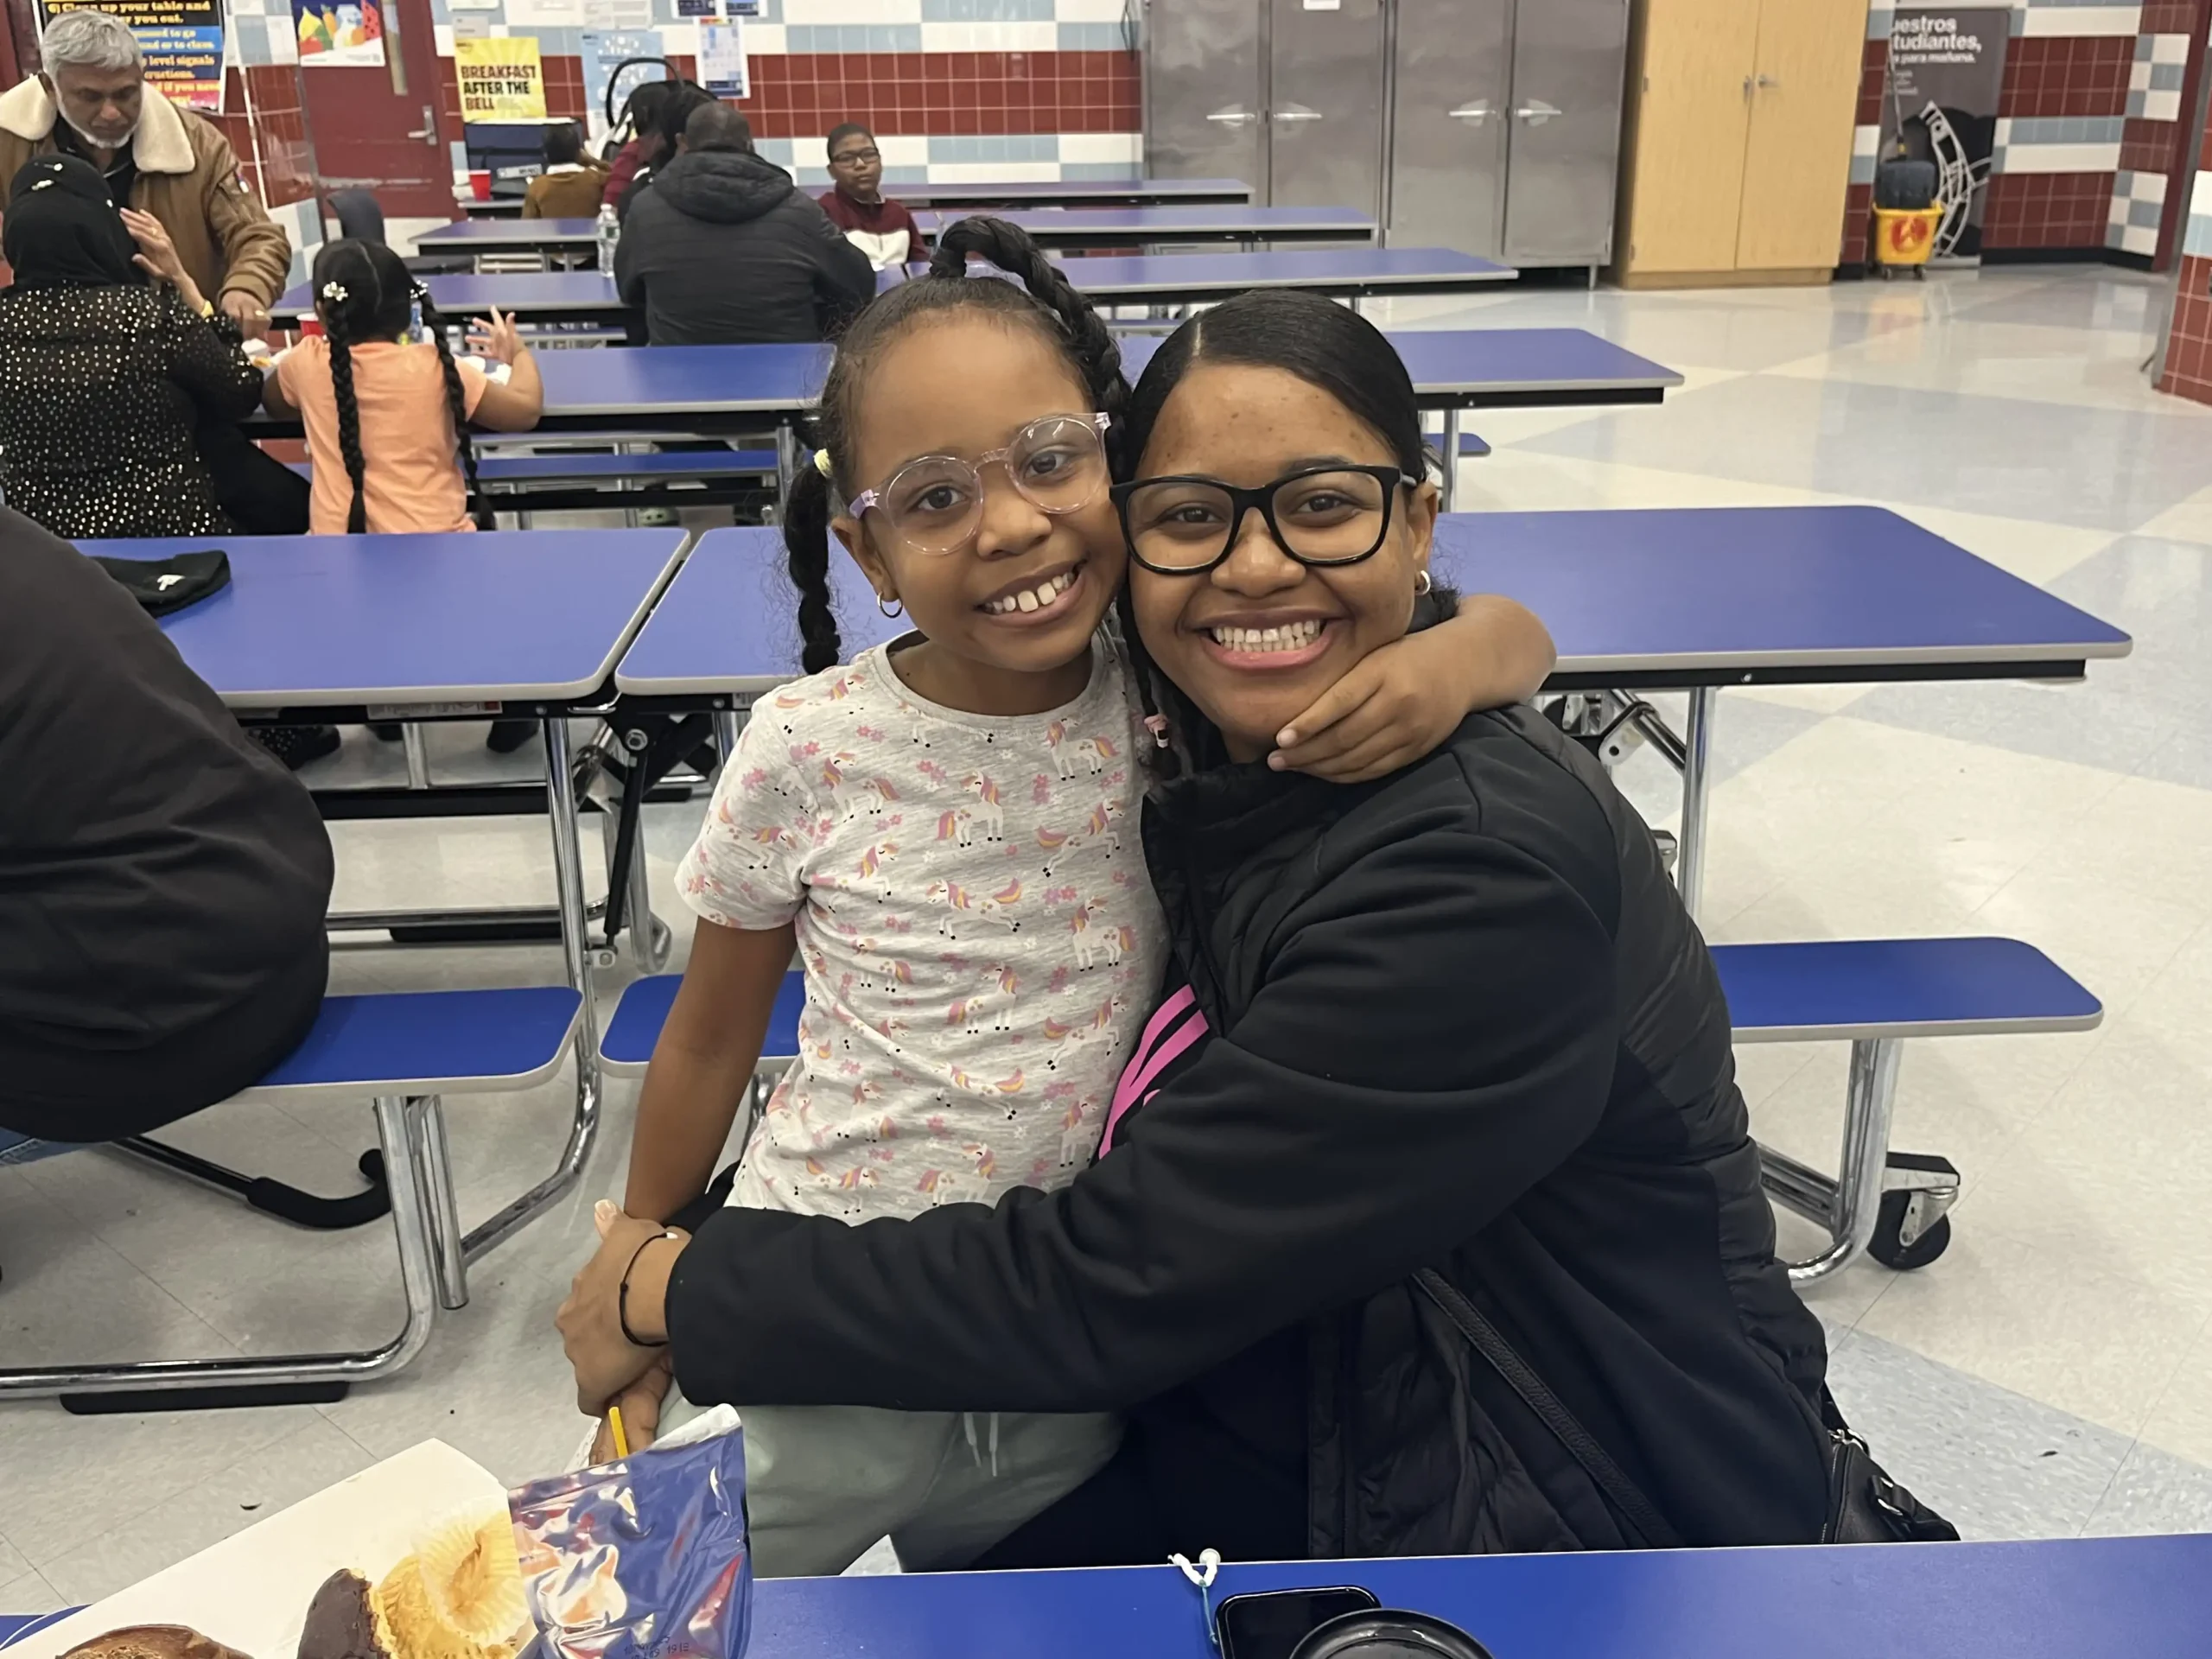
<point x="934" y="505"/>
<point x="1320" y="516"/>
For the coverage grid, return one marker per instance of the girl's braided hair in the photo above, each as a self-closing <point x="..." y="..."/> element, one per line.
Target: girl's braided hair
<point x="1046" y="302"/>
<point x="363" y="293"/>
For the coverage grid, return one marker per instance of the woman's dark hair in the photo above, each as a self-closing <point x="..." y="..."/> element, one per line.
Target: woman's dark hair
<point x="641" y="110"/>
<point x="682" y="101"/>
<point x="1048" y="305"/>
<point x="364" y="293"/>
<point x="563" y="145"/>
<point x="1331" y="347"/>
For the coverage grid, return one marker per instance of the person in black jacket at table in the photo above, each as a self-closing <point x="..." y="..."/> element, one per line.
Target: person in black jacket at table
<point x="162" y="878"/>
<point x="1438" y="1050"/>
<point x="720" y="247"/>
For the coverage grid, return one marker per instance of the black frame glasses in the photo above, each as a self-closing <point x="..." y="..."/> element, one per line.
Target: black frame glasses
<point x="1261" y="500"/>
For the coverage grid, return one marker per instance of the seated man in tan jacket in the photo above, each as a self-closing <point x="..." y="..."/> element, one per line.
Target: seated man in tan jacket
<point x="91" y="100"/>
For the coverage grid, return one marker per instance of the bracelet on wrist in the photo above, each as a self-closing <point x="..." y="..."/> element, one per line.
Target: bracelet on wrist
<point x="622" y="1295"/>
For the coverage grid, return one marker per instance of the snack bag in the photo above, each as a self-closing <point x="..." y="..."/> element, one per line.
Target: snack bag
<point x="643" y="1558"/>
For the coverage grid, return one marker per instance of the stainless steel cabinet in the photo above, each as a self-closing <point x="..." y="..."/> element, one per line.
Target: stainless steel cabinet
<point x="1454" y="113"/>
<point x="1569" y="57"/>
<point x="1488" y="125"/>
<point x="1205" y="92"/>
<point x="1327" y="85"/>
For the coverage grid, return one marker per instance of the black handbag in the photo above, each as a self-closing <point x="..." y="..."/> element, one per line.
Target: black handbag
<point x="1865" y="1505"/>
<point x="161" y="586"/>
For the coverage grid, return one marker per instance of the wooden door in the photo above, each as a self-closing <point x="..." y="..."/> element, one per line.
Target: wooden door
<point x="1690" y="95"/>
<point x="1797" y="164"/>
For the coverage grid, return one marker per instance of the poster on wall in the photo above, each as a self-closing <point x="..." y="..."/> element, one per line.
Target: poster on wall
<point x="500" y="79"/>
<point x="722" y="59"/>
<point x="605" y="52"/>
<point x="182" y="40"/>
<point x="1946" y="66"/>
<point x="339" y="34"/>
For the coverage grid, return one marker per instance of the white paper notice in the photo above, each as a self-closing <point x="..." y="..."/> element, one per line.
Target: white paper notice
<point x="618" y="14"/>
<point x="721" y="58"/>
<point x="545" y="14"/>
<point x="251" y="1590"/>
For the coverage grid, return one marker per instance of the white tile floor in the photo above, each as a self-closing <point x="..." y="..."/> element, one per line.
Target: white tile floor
<point x="2051" y="1374"/>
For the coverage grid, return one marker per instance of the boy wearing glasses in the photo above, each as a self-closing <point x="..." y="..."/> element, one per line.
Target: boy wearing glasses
<point x="879" y="227"/>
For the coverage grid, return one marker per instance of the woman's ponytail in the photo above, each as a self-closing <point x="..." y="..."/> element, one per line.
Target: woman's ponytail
<point x="806" y="556"/>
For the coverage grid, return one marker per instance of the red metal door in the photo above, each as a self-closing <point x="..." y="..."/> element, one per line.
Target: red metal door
<point x="383" y="127"/>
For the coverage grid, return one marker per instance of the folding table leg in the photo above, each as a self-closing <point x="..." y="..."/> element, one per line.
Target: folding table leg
<point x="569" y="880"/>
<point x="726" y="725"/>
<point x="428" y="1119"/>
<point x="411" y="739"/>
<point x="1451" y="491"/>
<point x="189" y="1384"/>
<point x="1849" y="1205"/>
<point x="1697" y="754"/>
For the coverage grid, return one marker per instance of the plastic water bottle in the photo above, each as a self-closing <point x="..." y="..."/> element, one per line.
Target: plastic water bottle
<point x="609" y="232"/>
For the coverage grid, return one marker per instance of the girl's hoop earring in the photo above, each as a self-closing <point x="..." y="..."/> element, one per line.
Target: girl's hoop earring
<point x="891" y="608"/>
<point x="1422" y="585"/>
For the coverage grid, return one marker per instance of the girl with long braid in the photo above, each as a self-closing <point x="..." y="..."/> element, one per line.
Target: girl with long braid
<point x="946" y="829"/>
<point x="387" y="416"/>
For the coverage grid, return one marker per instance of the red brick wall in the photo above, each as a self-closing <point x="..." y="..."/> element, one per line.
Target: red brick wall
<point x="804" y="94"/>
<point x="2046" y="210"/>
<point x="2054" y="75"/>
<point x="2187" y="370"/>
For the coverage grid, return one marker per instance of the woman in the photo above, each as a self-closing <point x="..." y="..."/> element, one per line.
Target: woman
<point x="1444" y="1061"/>
<point x="103" y="378"/>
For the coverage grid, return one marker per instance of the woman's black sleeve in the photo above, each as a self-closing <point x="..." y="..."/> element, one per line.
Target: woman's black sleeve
<point x="205" y="358"/>
<point x="1435" y="1034"/>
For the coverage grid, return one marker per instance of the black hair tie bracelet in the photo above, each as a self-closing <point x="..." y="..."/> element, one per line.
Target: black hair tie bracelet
<point x="622" y="1295"/>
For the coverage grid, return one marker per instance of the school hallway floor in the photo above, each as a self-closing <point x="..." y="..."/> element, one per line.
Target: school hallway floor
<point x="2051" y="1374"/>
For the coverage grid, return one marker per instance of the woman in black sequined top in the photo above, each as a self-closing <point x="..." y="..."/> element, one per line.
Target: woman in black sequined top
<point x="104" y="375"/>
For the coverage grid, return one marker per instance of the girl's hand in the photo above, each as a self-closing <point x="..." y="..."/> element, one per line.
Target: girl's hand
<point x="1398" y="703"/>
<point x="498" y="340"/>
<point x="605" y="1359"/>
<point x="640" y="1405"/>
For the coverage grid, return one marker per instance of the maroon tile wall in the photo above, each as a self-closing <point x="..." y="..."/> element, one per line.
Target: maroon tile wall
<point x="2188" y="368"/>
<point x="2056" y="75"/>
<point x="2047" y="210"/>
<point x="802" y="95"/>
<point x="2148" y="146"/>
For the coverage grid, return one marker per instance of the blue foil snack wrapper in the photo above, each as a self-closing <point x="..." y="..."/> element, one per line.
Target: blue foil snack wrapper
<point x="643" y="1558"/>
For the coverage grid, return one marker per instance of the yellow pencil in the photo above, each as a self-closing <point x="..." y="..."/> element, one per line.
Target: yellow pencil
<point x="621" y="1439"/>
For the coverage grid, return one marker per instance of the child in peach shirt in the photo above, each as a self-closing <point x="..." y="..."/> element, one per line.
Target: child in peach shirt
<point x="387" y="416"/>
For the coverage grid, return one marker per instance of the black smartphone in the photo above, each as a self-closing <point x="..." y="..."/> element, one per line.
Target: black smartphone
<point x="1270" y="1624"/>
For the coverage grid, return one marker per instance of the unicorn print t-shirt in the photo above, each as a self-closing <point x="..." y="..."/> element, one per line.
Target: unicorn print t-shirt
<point x="980" y="939"/>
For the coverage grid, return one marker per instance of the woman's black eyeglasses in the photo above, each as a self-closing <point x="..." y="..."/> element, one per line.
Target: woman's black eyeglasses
<point x="1321" y="516"/>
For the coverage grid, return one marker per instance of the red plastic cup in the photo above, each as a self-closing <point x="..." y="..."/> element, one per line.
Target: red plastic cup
<point x="479" y="184"/>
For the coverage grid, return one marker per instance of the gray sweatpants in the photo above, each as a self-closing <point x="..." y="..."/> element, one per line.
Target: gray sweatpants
<point x="824" y="1483"/>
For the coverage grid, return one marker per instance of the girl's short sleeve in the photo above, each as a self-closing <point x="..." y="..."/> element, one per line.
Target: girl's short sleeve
<point x="748" y="867"/>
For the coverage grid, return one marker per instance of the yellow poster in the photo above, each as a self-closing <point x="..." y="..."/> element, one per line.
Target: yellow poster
<point x="500" y="79"/>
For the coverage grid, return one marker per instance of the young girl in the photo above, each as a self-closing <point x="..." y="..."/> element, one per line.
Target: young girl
<point x="947" y="830"/>
<point x="387" y="416"/>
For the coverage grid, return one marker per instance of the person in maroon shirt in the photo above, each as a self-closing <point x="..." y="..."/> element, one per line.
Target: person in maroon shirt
<point x="878" y="227"/>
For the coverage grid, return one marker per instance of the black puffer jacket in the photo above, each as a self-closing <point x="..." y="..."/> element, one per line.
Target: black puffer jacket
<point x="1460" y="1021"/>
<point x="720" y="248"/>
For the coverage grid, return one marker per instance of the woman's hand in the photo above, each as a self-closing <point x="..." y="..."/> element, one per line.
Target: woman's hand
<point x="640" y="1405"/>
<point x="606" y="1361"/>
<point x="1396" y="704"/>
<point x="157" y="256"/>
<point x="498" y="340"/>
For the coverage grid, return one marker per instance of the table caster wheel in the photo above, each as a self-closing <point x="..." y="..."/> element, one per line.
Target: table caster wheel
<point x="1888" y="1246"/>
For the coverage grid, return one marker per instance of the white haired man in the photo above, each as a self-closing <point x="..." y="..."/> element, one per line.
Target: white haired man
<point x="90" y="100"/>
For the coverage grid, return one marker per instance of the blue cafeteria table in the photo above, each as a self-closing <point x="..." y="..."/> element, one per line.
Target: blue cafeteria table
<point x="1003" y="193"/>
<point x="726" y="390"/>
<point x="412" y="628"/>
<point x="1663" y="599"/>
<point x="2058" y="1598"/>
<point x="1055" y="227"/>
<point x="1131" y="279"/>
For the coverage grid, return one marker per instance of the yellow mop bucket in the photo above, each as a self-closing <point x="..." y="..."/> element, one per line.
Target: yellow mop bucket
<point x="1905" y="236"/>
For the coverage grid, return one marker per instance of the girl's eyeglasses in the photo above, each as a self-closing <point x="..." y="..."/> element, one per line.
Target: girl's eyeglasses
<point x="935" y="505"/>
<point x="1323" y="516"/>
